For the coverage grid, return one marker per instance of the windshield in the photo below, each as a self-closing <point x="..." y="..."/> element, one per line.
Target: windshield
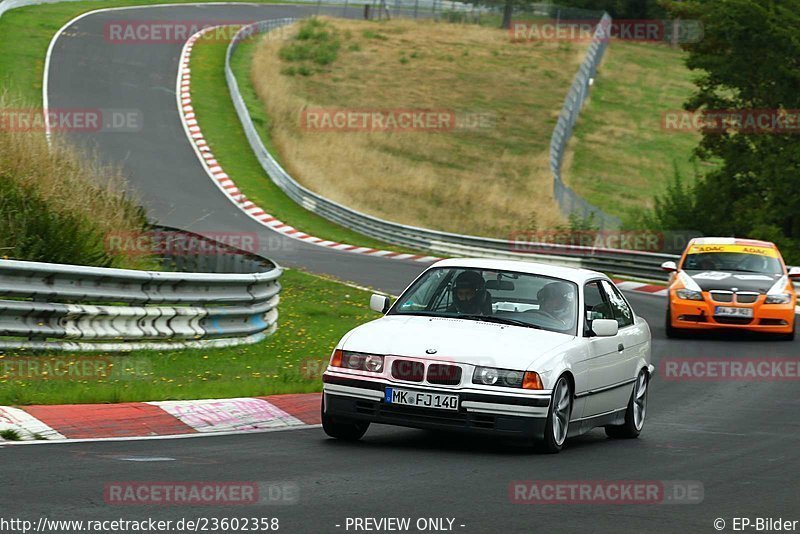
<point x="519" y="299"/>
<point x="733" y="261"/>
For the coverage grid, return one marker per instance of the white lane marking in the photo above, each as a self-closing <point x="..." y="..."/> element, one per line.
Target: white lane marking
<point x="156" y="438"/>
<point x="145" y="459"/>
<point x="214" y="415"/>
<point x="26" y="425"/>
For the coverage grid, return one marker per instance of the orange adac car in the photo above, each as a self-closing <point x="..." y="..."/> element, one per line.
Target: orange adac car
<point x="728" y="283"/>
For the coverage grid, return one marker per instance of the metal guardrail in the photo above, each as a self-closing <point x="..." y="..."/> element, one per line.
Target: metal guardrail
<point x="638" y="264"/>
<point x="71" y="307"/>
<point x="568" y="200"/>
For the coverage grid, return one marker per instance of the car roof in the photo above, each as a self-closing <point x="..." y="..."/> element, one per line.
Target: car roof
<point x="579" y="276"/>
<point x="731" y="241"/>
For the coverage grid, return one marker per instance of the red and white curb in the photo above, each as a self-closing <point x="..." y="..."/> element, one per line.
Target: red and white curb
<point x="641" y="287"/>
<point x="161" y="419"/>
<point x="229" y="188"/>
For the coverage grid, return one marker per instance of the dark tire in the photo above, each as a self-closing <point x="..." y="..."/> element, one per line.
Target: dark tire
<point x="343" y="429"/>
<point x="787" y="337"/>
<point x="635" y="412"/>
<point x="672" y="332"/>
<point x="558" y="416"/>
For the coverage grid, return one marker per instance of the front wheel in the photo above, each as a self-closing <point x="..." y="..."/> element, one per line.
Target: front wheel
<point x="789" y="336"/>
<point x="557" y="425"/>
<point x="342" y="429"/>
<point x="635" y="413"/>
<point x="670" y="330"/>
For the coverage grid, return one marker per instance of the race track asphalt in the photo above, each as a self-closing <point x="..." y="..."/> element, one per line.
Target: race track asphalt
<point x="739" y="439"/>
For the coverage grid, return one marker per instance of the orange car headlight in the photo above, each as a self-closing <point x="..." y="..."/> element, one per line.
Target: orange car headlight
<point x="689" y="294"/>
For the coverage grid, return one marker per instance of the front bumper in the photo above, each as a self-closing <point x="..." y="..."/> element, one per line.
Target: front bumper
<point x="516" y="417"/>
<point x="699" y="315"/>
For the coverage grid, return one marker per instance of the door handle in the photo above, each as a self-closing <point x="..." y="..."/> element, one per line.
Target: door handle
<point x="620" y="347"/>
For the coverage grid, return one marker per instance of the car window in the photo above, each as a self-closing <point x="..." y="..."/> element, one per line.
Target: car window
<point x="596" y="306"/>
<point x="732" y="261"/>
<point x="524" y="299"/>
<point x="595" y="303"/>
<point x="622" y="312"/>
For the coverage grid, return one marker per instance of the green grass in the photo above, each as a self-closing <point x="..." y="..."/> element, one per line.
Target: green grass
<point x="10" y="434"/>
<point x="314" y="314"/>
<point x="621" y="156"/>
<point x="225" y="136"/>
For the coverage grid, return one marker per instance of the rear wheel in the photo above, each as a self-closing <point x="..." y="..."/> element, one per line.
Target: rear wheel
<point x="343" y="429"/>
<point x="635" y="413"/>
<point x="557" y="425"/>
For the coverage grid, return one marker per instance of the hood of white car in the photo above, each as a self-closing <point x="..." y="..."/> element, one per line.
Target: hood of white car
<point x="457" y="340"/>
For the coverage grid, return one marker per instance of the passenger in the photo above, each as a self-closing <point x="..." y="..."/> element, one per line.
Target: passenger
<point x="557" y="300"/>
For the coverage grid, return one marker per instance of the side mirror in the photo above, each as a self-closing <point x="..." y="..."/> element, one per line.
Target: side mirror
<point x="605" y="327"/>
<point x="669" y="266"/>
<point x="794" y="273"/>
<point x="379" y="303"/>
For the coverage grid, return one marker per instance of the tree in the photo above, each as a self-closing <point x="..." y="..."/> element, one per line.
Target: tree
<point x="749" y="59"/>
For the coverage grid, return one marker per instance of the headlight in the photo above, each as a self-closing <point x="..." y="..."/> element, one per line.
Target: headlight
<point x="373" y="363"/>
<point x="489" y="376"/>
<point x="357" y="361"/>
<point x="689" y="294"/>
<point x="781" y="298"/>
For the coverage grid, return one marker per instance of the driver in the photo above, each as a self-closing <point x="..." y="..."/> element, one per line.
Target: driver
<point x="555" y="299"/>
<point x="469" y="294"/>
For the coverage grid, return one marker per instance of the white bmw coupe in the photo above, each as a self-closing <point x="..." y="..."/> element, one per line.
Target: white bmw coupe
<point x="516" y="349"/>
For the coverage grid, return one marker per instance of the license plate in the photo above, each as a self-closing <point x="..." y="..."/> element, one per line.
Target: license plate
<point x="421" y="399"/>
<point x="730" y="311"/>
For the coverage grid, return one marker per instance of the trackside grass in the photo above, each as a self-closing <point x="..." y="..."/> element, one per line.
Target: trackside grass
<point x="620" y="157"/>
<point x="485" y="172"/>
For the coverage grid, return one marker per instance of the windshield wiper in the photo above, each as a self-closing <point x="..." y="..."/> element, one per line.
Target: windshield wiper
<point x="498" y="320"/>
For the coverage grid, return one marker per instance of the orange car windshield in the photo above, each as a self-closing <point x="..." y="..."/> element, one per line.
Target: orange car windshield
<point x="733" y="261"/>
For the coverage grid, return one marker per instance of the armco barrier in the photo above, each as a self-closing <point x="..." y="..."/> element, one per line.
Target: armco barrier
<point x="568" y="200"/>
<point x="645" y="265"/>
<point x="72" y="307"/>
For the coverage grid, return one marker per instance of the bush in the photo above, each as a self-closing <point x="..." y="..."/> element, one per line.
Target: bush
<point x="30" y="229"/>
<point x="316" y="41"/>
<point x="58" y="205"/>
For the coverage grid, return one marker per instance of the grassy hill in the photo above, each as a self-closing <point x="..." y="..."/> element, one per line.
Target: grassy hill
<point x="488" y="180"/>
<point x="620" y="156"/>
